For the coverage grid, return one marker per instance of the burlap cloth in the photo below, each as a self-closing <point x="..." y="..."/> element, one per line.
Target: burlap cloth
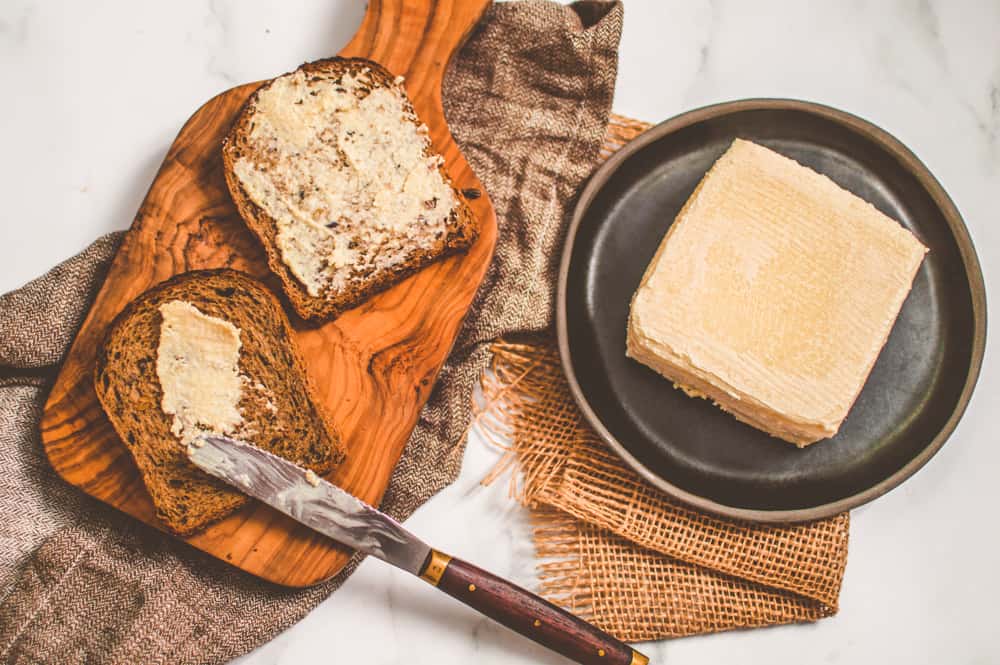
<point x="621" y="554"/>
<point x="528" y="101"/>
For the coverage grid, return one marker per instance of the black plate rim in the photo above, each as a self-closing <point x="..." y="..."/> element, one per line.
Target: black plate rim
<point x="894" y="148"/>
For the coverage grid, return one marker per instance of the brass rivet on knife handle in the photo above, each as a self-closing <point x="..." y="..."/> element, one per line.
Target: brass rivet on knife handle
<point x="434" y="568"/>
<point x="639" y="659"/>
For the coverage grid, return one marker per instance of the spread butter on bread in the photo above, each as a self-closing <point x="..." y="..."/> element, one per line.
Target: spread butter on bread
<point x="207" y="352"/>
<point x="772" y="294"/>
<point x="332" y="170"/>
<point x="197" y="364"/>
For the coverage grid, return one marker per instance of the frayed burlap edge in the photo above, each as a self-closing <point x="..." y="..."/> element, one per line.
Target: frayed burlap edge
<point x="622" y="554"/>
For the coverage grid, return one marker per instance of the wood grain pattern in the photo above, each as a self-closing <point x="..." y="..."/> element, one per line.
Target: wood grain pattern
<point x="373" y="367"/>
<point x="534" y="617"/>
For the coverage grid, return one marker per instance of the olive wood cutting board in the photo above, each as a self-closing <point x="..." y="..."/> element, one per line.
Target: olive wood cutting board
<point x="373" y="367"/>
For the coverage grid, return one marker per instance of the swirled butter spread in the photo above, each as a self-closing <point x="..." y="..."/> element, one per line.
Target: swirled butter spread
<point x="343" y="167"/>
<point x="197" y="363"/>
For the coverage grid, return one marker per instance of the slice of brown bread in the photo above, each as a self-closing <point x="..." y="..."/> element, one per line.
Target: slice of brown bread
<point x="319" y="163"/>
<point x="276" y="402"/>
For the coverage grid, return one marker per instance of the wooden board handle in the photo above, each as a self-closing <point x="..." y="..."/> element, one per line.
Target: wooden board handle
<point x="433" y="32"/>
<point x="524" y="612"/>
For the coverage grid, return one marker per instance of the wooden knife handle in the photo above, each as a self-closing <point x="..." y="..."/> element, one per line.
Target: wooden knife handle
<point x="522" y="611"/>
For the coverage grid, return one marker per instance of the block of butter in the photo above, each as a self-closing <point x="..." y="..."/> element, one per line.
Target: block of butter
<point x="772" y="294"/>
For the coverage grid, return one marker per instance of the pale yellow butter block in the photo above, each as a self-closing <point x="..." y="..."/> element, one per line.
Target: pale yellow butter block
<point x="773" y="293"/>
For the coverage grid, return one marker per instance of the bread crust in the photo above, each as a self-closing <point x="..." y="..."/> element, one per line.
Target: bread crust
<point x="461" y="232"/>
<point x="186" y="499"/>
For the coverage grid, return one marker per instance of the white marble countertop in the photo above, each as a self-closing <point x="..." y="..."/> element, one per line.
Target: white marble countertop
<point x="95" y="92"/>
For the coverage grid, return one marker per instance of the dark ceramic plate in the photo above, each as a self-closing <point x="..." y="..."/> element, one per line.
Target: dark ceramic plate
<point x="916" y="393"/>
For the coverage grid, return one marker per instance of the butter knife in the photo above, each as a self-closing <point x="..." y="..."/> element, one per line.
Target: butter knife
<point x="331" y="511"/>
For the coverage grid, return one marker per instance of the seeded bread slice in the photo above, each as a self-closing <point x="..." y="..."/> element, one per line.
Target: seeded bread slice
<point x="292" y="156"/>
<point x="279" y="415"/>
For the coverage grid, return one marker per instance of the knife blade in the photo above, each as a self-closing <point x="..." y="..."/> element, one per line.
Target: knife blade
<point x="308" y="499"/>
<point x="331" y="511"/>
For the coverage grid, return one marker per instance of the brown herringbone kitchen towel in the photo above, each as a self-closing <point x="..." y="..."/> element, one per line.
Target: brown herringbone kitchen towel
<point x="528" y="100"/>
<point x="623" y="555"/>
